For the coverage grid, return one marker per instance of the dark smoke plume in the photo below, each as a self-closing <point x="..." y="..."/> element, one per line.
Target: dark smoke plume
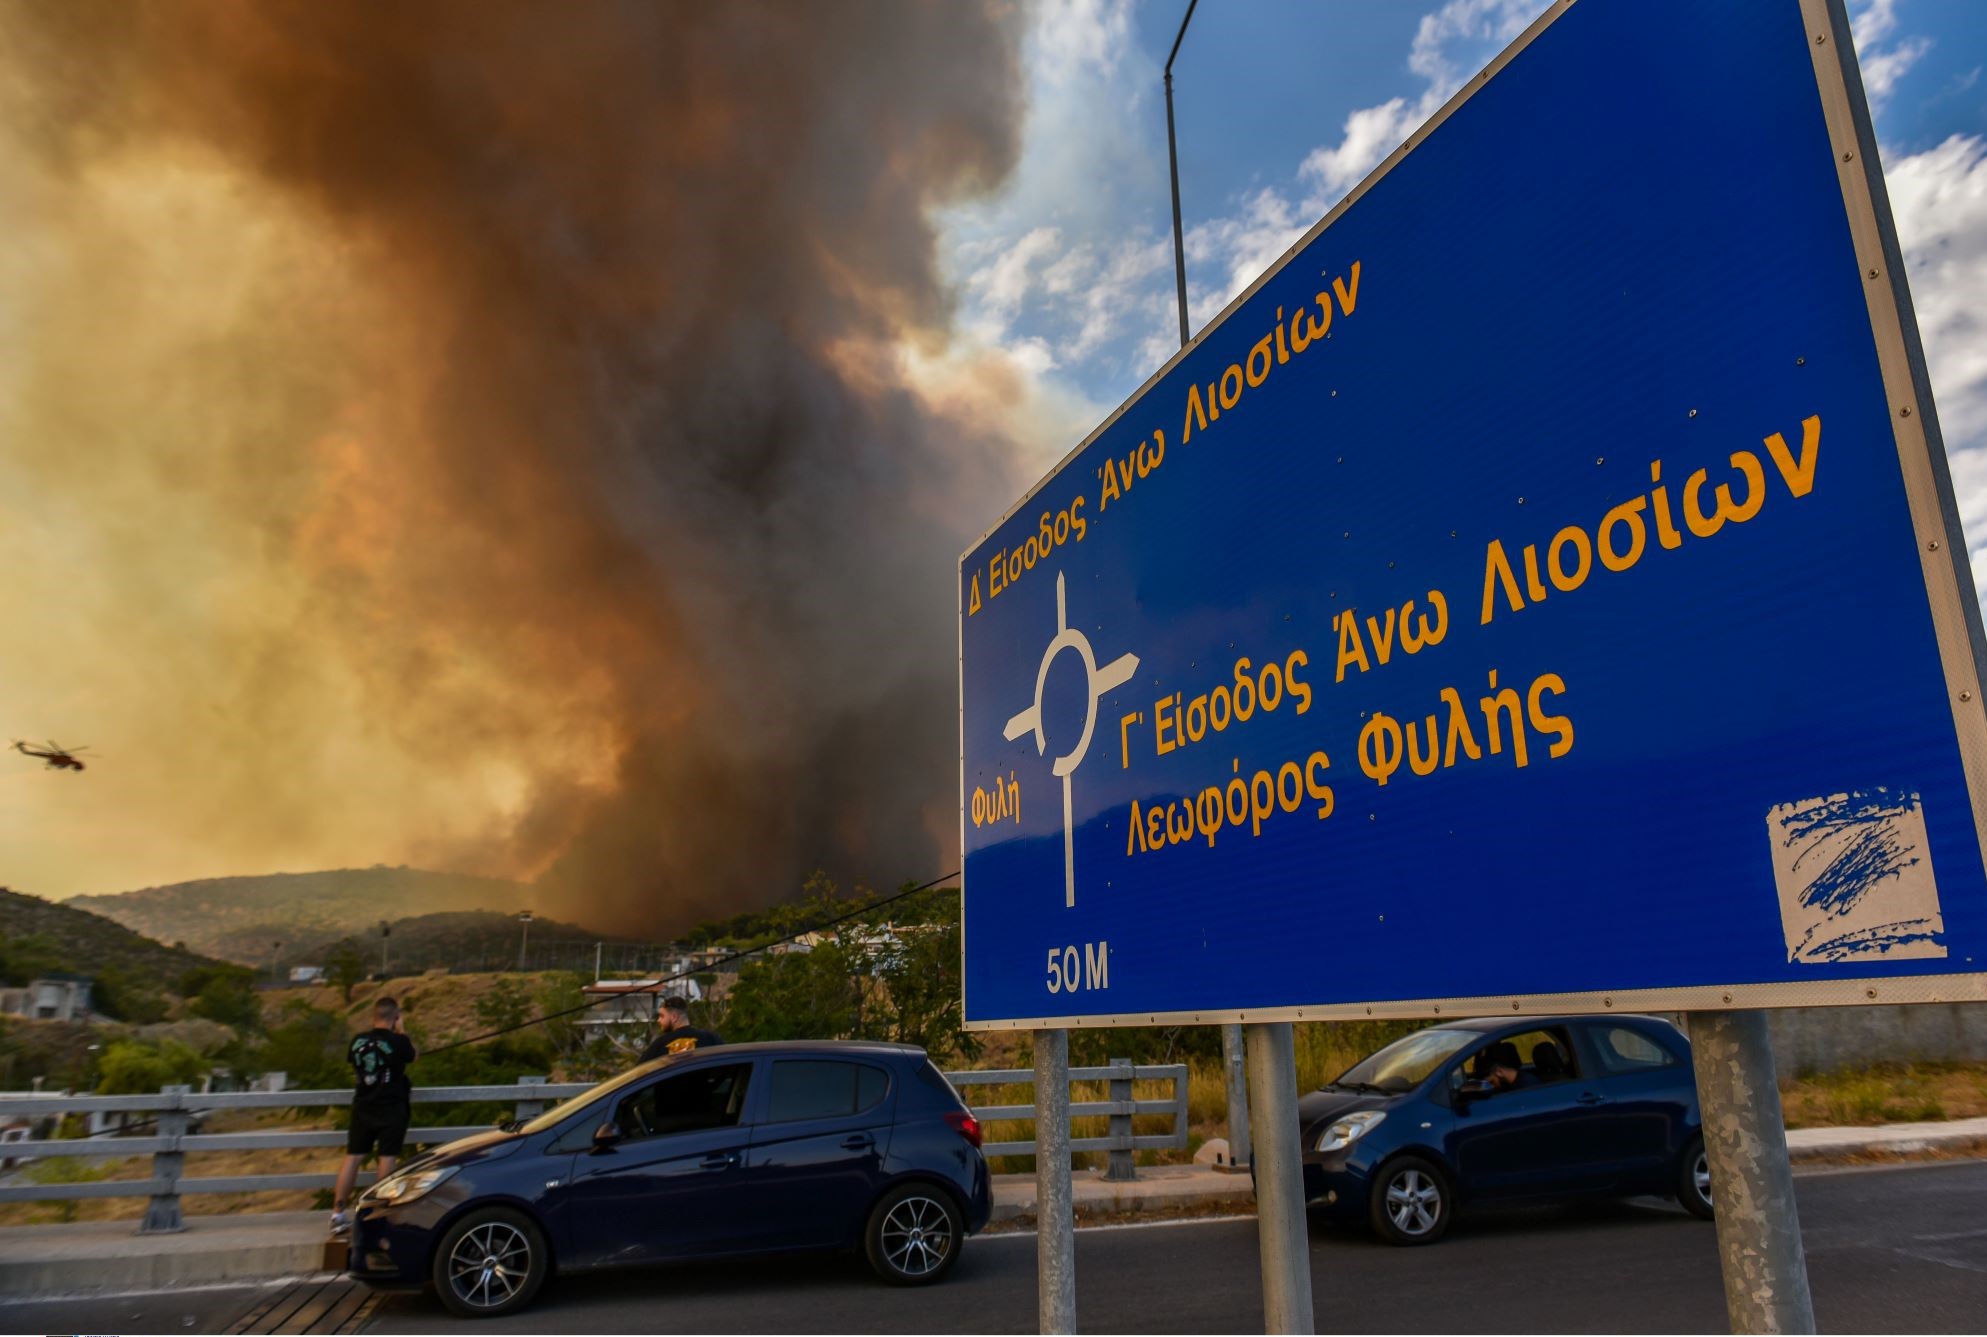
<point x="483" y="431"/>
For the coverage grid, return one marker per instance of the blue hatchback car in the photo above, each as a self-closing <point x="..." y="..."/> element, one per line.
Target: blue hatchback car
<point x="734" y="1149"/>
<point x="1497" y="1110"/>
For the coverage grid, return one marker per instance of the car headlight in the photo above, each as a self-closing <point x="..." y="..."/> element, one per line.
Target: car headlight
<point x="1344" y="1132"/>
<point x="407" y="1187"/>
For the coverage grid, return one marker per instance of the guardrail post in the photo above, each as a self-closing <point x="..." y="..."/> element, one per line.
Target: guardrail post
<point x="1240" y="1154"/>
<point x="1745" y="1146"/>
<point x="1055" y="1222"/>
<point x="530" y="1109"/>
<point x="162" y="1212"/>
<point x="1281" y="1231"/>
<point x="1123" y="1164"/>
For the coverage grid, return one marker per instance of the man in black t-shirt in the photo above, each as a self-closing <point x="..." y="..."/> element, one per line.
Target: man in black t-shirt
<point x="382" y="1103"/>
<point x="674" y="1033"/>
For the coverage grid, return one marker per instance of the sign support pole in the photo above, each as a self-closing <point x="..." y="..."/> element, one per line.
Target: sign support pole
<point x="1055" y="1223"/>
<point x="1239" y="1154"/>
<point x="1282" y="1233"/>
<point x="1752" y="1182"/>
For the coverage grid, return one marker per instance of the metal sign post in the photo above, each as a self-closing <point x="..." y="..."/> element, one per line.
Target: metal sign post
<point x="1055" y="1218"/>
<point x="1282" y="1233"/>
<point x="1232" y="1049"/>
<point x="1752" y="1183"/>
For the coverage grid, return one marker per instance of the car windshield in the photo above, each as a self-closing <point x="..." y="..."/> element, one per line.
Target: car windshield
<point x="559" y="1113"/>
<point x="1405" y="1063"/>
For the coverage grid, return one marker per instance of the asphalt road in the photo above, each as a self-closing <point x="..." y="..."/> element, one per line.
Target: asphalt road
<point x="1890" y="1250"/>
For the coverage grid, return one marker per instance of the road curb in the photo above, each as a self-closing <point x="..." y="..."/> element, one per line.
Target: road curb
<point x="1948" y="1137"/>
<point x="111" y="1256"/>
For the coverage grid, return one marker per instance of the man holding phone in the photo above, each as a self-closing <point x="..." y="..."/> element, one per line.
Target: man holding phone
<point x="382" y="1103"/>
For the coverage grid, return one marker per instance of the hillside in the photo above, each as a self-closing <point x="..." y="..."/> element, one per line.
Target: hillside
<point x="465" y="940"/>
<point x="38" y="936"/>
<point x="239" y="918"/>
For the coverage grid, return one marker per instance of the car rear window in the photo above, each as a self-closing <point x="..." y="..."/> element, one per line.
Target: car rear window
<point x="823" y="1089"/>
<point x="1625" y="1050"/>
<point x="929" y="1074"/>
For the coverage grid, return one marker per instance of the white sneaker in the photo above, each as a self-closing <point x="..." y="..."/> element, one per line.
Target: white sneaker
<point x="341" y="1225"/>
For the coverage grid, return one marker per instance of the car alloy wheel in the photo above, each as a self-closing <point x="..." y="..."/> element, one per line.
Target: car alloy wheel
<point x="917" y="1236"/>
<point x="489" y="1265"/>
<point x="1693" y="1180"/>
<point x="1414" y="1202"/>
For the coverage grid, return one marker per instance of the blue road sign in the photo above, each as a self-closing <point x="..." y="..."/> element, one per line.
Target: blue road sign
<point x="1541" y="590"/>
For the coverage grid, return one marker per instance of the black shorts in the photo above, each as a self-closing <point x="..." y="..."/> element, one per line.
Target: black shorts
<point x="384" y="1128"/>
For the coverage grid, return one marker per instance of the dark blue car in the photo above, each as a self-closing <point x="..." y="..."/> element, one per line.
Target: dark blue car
<point x="729" y="1150"/>
<point x="1498" y="1110"/>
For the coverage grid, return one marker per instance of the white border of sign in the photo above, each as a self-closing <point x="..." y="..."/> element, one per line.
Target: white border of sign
<point x="1934" y="518"/>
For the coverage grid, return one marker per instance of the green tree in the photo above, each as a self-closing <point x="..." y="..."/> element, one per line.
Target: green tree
<point x="345" y="968"/>
<point x="559" y="994"/>
<point x="225" y="994"/>
<point x="505" y="1005"/>
<point x="131" y="1067"/>
<point x="920" y="1001"/>
<point x="308" y="1047"/>
<point x="116" y="996"/>
<point x="29" y="957"/>
<point x="795" y="996"/>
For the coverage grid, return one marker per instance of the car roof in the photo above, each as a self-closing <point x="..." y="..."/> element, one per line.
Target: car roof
<point x="844" y="1047"/>
<point x="1487" y="1024"/>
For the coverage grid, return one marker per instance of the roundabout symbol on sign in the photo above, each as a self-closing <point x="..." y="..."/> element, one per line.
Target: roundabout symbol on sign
<point x="1097" y="682"/>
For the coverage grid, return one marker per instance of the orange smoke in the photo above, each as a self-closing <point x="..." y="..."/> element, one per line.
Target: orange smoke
<point x="426" y="434"/>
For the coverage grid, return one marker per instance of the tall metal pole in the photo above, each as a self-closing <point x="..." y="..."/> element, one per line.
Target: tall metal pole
<point x="1055" y="1219"/>
<point x="1281" y="1230"/>
<point x="1173" y="158"/>
<point x="1232" y="1050"/>
<point x="1752" y="1183"/>
<point x="1232" y="1044"/>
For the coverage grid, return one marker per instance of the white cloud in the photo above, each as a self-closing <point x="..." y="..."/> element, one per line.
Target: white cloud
<point x="1883" y="66"/>
<point x="1873" y="22"/>
<point x="1939" y="198"/>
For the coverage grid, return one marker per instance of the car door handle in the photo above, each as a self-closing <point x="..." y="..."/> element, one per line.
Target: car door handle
<point x="722" y="1160"/>
<point x="1589" y="1098"/>
<point x="858" y="1142"/>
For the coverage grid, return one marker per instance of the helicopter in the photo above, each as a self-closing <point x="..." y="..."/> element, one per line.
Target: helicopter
<point x="59" y="758"/>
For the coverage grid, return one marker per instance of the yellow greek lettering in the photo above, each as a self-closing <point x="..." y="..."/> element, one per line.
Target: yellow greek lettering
<point x="1558" y="725"/>
<point x="1348" y="297"/>
<point x="1351" y="650"/>
<point x="1495" y="706"/>
<point x="1383" y="636"/>
<point x="1458" y="730"/>
<point x="1563" y="580"/>
<point x="1376" y="757"/>
<point x="1628" y="513"/>
<point x="1299" y="691"/>
<point x="1497" y="575"/>
<point x="1800" y="477"/>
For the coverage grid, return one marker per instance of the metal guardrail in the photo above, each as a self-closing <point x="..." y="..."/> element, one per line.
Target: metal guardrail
<point x="172" y="1141"/>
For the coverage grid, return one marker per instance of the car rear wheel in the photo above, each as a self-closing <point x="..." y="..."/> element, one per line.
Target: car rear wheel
<point x="913" y="1235"/>
<point x="1411" y="1201"/>
<point x="490" y="1262"/>
<point x="1694" y="1180"/>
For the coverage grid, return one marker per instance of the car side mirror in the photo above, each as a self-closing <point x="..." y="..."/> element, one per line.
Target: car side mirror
<point x="606" y="1136"/>
<point x="1475" y="1090"/>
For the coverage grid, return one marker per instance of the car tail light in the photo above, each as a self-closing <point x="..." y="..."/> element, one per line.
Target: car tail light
<point x="964" y="1124"/>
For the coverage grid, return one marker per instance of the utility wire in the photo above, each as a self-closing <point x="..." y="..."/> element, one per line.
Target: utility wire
<point x="657" y="986"/>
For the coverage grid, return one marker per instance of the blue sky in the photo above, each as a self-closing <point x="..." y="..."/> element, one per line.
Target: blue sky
<point x="1066" y="276"/>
